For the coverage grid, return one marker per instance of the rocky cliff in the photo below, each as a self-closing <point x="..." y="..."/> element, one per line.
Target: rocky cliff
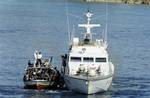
<point x="122" y="1"/>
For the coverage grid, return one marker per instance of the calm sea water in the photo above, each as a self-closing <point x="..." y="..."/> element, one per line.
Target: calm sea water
<point x="29" y="25"/>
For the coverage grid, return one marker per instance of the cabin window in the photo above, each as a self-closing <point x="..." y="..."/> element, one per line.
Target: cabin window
<point x="75" y="59"/>
<point x="88" y="59"/>
<point x="100" y="59"/>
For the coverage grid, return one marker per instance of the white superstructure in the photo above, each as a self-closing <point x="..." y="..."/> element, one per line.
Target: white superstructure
<point x="88" y="69"/>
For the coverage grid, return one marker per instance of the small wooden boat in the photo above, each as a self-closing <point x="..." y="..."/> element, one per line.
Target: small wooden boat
<point x="41" y="76"/>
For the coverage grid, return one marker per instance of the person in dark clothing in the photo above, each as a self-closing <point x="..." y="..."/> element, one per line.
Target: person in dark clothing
<point x="64" y="61"/>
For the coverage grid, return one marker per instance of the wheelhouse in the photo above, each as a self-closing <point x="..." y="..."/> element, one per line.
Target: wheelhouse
<point x="88" y="59"/>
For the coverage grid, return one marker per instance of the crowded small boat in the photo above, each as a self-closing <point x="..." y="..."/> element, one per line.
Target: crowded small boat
<point x="41" y="74"/>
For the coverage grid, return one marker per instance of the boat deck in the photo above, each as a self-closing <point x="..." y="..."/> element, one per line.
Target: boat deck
<point x="90" y="78"/>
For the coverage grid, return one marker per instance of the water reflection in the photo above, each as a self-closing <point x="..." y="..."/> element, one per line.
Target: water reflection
<point x="121" y="87"/>
<point x="75" y="95"/>
<point x="63" y="94"/>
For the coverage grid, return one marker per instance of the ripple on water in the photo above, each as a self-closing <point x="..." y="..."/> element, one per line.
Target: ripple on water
<point x="132" y="86"/>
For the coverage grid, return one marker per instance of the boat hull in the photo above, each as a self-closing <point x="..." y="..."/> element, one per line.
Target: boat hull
<point x="88" y="85"/>
<point x="37" y="84"/>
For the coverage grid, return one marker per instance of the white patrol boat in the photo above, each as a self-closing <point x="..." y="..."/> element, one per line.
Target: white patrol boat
<point x="87" y="68"/>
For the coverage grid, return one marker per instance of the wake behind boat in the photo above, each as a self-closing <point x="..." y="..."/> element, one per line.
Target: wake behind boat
<point x="87" y="68"/>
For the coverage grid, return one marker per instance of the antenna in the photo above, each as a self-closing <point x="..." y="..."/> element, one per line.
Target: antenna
<point x="89" y="5"/>
<point x="72" y="34"/>
<point x="88" y="26"/>
<point x="106" y="25"/>
<point x="67" y="23"/>
<point x="51" y="59"/>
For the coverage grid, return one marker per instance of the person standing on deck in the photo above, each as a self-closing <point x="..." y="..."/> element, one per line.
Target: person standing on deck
<point x="38" y="58"/>
<point x="64" y="63"/>
<point x="35" y="57"/>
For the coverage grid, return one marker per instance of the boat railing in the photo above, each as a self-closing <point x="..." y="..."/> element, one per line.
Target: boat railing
<point x="91" y="43"/>
<point x="46" y="67"/>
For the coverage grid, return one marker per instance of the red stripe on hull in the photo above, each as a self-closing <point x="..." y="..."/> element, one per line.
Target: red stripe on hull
<point x="40" y="87"/>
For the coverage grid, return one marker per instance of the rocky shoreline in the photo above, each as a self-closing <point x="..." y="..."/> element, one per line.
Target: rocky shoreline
<point x="147" y="2"/>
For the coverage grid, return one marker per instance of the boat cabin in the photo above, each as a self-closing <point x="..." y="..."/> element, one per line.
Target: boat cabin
<point x="83" y="57"/>
<point x="88" y="55"/>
